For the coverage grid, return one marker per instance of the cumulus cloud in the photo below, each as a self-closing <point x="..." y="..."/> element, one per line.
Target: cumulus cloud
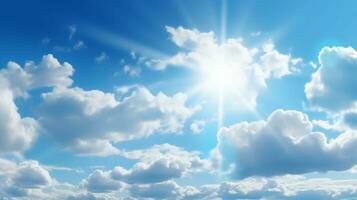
<point x="283" y="144"/>
<point x="159" y="163"/>
<point x="275" y="64"/>
<point x="21" y="179"/>
<point x="47" y="73"/>
<point x="30" y="174"/>
<point x="101" y="182"/>
<point x="151" y="177"/>
<point x="88" y="122"/>
<point x="331" y="86"/>
<point x="18" y="133"/>
<point x="251" y="67"/>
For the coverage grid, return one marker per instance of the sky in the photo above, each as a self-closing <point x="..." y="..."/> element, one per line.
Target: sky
<point x="178" y="99"/>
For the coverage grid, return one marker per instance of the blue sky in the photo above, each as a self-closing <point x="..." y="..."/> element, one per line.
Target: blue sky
<point x="178" y="100"/>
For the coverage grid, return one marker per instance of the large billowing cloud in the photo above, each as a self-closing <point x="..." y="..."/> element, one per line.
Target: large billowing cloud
<point x="283" y="144"/>
<point x="88" y="122"/>
<point x="249" y="67"/>
<point x="159" y="163"/>
<point x="332" y="86"/>
<point x="18" y="133"/>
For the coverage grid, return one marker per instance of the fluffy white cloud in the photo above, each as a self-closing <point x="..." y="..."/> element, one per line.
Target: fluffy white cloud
<point x="17" y="133"/>
<point x="101" y="182"/>
<point x="275" y="64"/>
<point x="249" y="68"/>
<point x="283" y="144"/>
<point x="47" y="73"/>
<point x="160" y="163"/>
<point x="88" y="122"/>
<point x="22" y="179"/>
<point x="331" y="87"/>
<point x="30" y="174"/>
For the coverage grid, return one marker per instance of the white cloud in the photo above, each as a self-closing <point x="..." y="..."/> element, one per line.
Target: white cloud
<point x="160" y="163"/>
<point x="6" y="166"/>
<point x="17" y="133"/>
<point x="88" y="122"/>
<point x="283" y="144"/>
<point x="313" y="65"/>
<point x="23" y="179"/>
<point x="101" y="182"/>
<point x="249" y="68"/>
<point x="275" y="64"/>
<point x="164" y="190"/>
<point x="197" y="126"/>
<point x="47" y="73"/>
<point x="30" y="174"/>
<point x="331" y="86"/>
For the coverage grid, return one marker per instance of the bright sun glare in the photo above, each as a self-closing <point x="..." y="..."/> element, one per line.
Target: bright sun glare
<point x="219" y="80"/>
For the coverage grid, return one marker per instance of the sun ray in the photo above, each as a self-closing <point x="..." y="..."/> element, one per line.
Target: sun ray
<point x="120" y="42"/>
<point x="223" y="20"/>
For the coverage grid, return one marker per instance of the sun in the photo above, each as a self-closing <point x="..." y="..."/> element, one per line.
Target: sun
<point x="219" y="80"/>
